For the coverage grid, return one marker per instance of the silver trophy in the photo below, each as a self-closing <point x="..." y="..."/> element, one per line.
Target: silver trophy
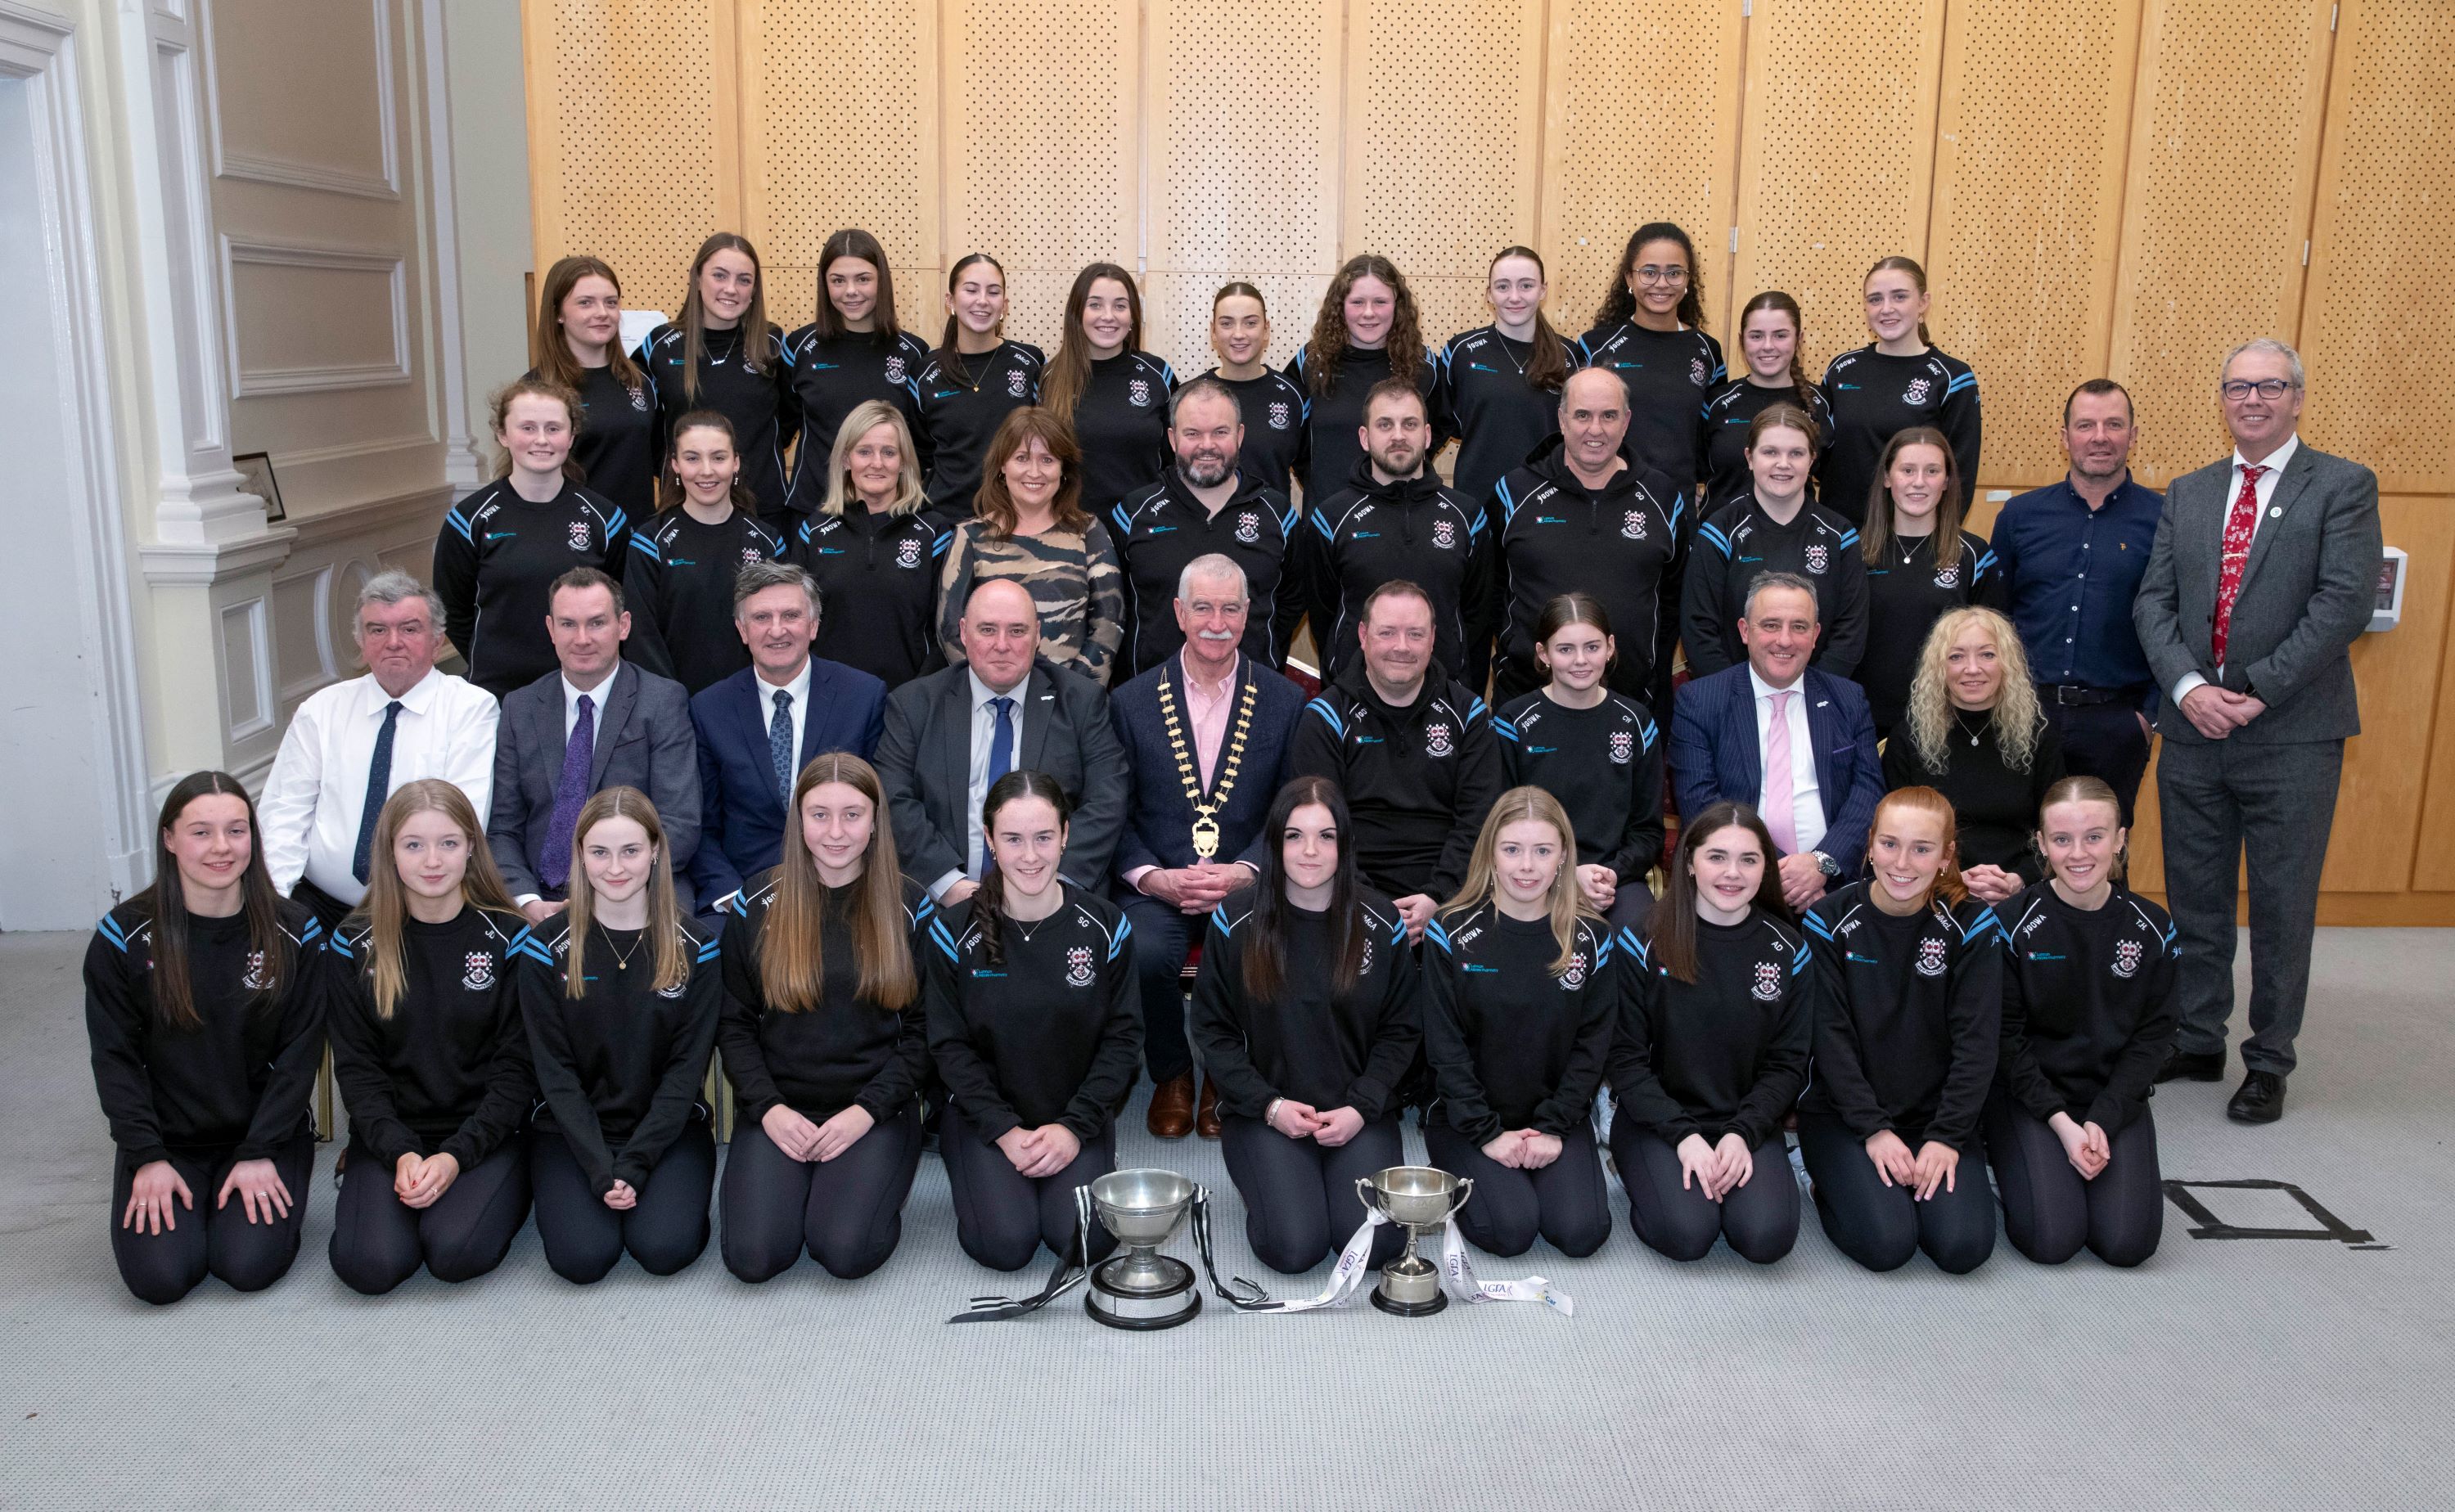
<point x="1141" y="1288"/>
<point x="1416" y="1198"/>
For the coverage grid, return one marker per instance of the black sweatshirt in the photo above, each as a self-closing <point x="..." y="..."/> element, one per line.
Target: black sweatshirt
<point x="1725" y="1053"/>
<point x="830" y="378"/>
<point x="1160" y="529"/>
<point x="1418" y="780"/>
<point x="1906" y="593"/>
<point x="1308" y="1044"/>
<point x="1330" y="454"/>
<point x="963" y="400"/>
<point x="679" y="587"/>
<point x="1485" y="401"/>
<point x="758" y="401"/>
<point x="1414" y="528"/>
<point x="1273" y="409"/>
<point x="1627" y="545"/>
<point x="1996" y="808"/>
<point x="448" y="1073"/>
<point x="1874" y="397"/>
<point x="1121" y="423"/>
<point x="1741" y="541"/>
<point x="1667" y="374"/>
<point x="496" y="561"/>
<point x="1512" y="1046"/>
<point x="618" y="1071"/>
<point x="877" y="587"/>
<point x="2088" y="1005"/>
<point x="1605" y="766"/>
<point x="1908" y="1013"/>
<point x="1054" y="1034"/>
<point x="844" y="1053"/>
<point x="617" y="444"/>
<point x="239" y="1081"/>
<point x="1722" y="433"/>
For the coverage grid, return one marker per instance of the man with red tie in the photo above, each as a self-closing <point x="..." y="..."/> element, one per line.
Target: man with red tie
<point x="2264" y="571"/>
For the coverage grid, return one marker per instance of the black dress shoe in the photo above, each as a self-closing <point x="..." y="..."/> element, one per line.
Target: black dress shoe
<point x="2260" y="1099"/>
<point x="2193" y="1066"/>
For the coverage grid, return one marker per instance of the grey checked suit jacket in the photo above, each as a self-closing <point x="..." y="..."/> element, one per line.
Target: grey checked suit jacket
<point x="644" y="740"/>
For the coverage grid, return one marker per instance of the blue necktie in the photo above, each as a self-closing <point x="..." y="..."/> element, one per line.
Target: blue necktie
<point x="780" y="747"/>
<point x="570" y="792"/>
<point x="1001" y="762"/>
<point x="379" y="789"/>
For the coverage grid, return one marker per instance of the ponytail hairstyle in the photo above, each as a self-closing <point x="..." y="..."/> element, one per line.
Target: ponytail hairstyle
<point x="1322" y="353"/>
<point x="2084" y="790"/>
<point x="988" y="904"/>
<point x="1781" y="416"/>
<point x="1876" y="536"/>
<point x="792" y="958"/>
<point x="670" y="492"/>
<point x="950" y="352"/>
<point x="166" y="903"/>
<point x="1566" y="900"/>
<point x="549" y="353"/>
<point x="1670" y="934"/>
<point x="1918" y="277"/>
<point x="500" y="411"/>
<point x="1948" y="890"/>
<point x="1266" y="948"/>
<point x="664" y="912"/>
<point x="1572" y="608"/>
<point x="1069" y="372"/>
<point x="754" y="328"/>
<point x="862" y="246"/>
<point x="386" y="908"/>
<point x="1546" y="367"/>
<point x="1775" y="300"/>
<point x="1619" y="305"/>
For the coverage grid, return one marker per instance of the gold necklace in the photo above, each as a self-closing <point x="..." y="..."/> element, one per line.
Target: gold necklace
<point x="1206" y="811"/>
<point x="621" y="960"/>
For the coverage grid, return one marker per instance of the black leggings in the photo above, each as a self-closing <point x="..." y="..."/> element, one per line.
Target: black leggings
<point x="847" y="1212"/>
<point x="2050" y="1211"/>
<point x="664" y="1232"/>
<point x="1300" y="1200"/>
<point x="1883" y="1226"/>
<point x="161" y="1268"/>
<point x="1002" y="1215"/>
<point x="1759" y="1217"/>
<point x="379" y="1242"/>
<point x="1564" y="1202"/>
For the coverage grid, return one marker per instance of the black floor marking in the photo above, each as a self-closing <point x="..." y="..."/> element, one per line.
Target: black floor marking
<point x="2211" y="1226"/>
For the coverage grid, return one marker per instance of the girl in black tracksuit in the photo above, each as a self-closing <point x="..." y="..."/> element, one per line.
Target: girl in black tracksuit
<point x="974" y="378"/>
<point x="1351" y="350"/>
<point x="1271" y="405"/>
<point x="1305" y="1014"/>
<point x="1035" y="1026"/>
<point x="1774" y="525"/>
<point x="430" y="1052"/>
<point x="677" y="583"/>
<point x="1117" y="404"/>
<point x="852" y="354"/>
<point x="205" y="1018"/>
<point x="1520" y="994"/>
<point x="875" y="547"/>
<point x="1921" y="564"/>
<point x="722" y="354"/>
<point x="1651" y="332"/>
<point x="1713" y="1028"/>
<point x="2088" y="1018"/>
<point x="1894" y="382"/>
<point x="578" y="343"/>
<point x="624" y="1157"/>
<point x="1908" y="983"/>
<point x="1499" y="390"/>
<point x="825" y="1043"/>
<point x="1770" y="373"/>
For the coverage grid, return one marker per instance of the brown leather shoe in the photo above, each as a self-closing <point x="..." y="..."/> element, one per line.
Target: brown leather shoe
<point x="1171" y="1109"/>
<point x="1205" y="1116"/>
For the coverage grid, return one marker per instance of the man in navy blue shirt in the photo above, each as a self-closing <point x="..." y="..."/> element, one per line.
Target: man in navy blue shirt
<point x="2073" y="554"/>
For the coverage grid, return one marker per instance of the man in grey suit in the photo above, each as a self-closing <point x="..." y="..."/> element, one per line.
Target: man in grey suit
<point x="595" y="722"/>
<point x="2264" y="571"/>
<point x="952" y="733"/>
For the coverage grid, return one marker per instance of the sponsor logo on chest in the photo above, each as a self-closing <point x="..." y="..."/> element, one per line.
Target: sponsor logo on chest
<point x="1932" y="957"/>
<point x="1768" y="984"/>
<point x="476" y="970"/>
<point x="1078" y="966"/>
<point x="2126" y="958"/>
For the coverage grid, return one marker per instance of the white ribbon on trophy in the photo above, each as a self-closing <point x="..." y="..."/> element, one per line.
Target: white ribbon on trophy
<point x="1457" y="1279"/>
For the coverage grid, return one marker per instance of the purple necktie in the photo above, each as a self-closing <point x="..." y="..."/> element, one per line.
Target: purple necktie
<point x="570" y="792"/>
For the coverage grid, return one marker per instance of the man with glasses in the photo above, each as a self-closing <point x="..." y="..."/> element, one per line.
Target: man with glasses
<point x="2264" y="572"/>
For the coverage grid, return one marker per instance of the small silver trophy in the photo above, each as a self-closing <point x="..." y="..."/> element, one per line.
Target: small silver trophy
<point x="1416" y="1198"/>
<point x="1142" y="1289"/>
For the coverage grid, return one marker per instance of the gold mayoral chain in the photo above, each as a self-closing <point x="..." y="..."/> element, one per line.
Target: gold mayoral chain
<point x="1206" y="811"/>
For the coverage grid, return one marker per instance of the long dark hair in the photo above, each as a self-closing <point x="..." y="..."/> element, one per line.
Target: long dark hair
<point x="1265" y="951"/>
<point x="860" y="245"/>
<point x="549" y="353"/>
<point x="1546" y="365"/>
<point x="950" y="355"/>
<point x="670" y="492"/>
<point x="1671" y="936"/>
<point x="1876" y="536"/>
<point x="754" y="326"/>
<point x="988" y="904"/>
<point x="1069" y="372"/>
<point x="1329" y="343"/>
<point x="1775" y="300"/>
<point x="994" y="503"/>
<point x="166" y="903"/>
<point x="1620" y="303"/>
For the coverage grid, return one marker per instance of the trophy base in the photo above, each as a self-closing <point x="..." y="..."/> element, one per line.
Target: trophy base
<point x="1434" y="1304"/>
<point x="1143" y="1309"/>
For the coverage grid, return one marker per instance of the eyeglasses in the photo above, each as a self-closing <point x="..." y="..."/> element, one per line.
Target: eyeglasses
<point x="2238" y="390"/>
<point x="1651" y="274"/>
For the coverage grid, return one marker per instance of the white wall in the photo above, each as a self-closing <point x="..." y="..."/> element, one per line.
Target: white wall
<point x="490" y="189"/>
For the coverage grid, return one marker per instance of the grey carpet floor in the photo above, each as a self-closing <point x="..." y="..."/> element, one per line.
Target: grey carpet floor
<point x="2225" y="1373"/>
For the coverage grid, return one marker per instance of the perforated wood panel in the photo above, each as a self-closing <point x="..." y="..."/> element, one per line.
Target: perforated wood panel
<point x="1443" y="131"/>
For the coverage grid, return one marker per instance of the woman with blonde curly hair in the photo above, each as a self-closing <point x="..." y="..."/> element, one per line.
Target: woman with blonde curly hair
<point x="1974" y="733"/>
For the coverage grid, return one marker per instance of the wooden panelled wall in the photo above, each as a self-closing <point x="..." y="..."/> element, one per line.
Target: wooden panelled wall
<point x="2122" y="187"/>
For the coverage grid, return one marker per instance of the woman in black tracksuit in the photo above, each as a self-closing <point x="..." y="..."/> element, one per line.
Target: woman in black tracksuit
<point x="1921" y="564"/>
<point x="1908" y="978"/>
<point x="722" y="354"/>
<point x="620" y="992"/>
<point x="1270" y="404"/>
<point x="823" y="1038"/>
<point x="1651" y="330"/>
<point x="1713" y="1026"/>
<point x="1110" y="389"/>
<point x="578" y="343"/>
<point x="1369" y="329"/>
<point x="1768" y="342"/>
<point x="1897" y="381"/>
<point x="853" y="353"/>
<point x="677" y="579"/>
<point x="1499" y="390"/>
<point x="875" y="546"/>
<point x="1035" y="1023"/>
<point x="1520" y="994"/>
<point x="973" y="381"/>
<point x="430" y="1052"/>
<point x="1306" y="1015"/>
<point x="1774" y="525"/>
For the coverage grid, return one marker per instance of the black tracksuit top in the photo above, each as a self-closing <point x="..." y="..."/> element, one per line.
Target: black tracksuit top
<point x="1906" y="593"/>
<point x="239" y="1081"/>
<point x="1052" y="1035"/>
<point x="1418" y="780"/>
<point x="1162" y="528"/>
<point x="1412" y="528"/>
<point x="832" y="376"/>
<point x="618" y="1071"/>
<point x="1627" y="545"/>
<point x="617" y="445"/>
<point x="1308" y="1043"/>
<point x="2088" y="1004"/>
<point x="1725" y="1053"/>
<point x="1605" y="766"/>
<point x="1723" y="434"/>
<point x="1121" y="423"/>
<point x="1908" y="1013"/>
<point x="877" y="587"/>
<point x="1739" y="541"/>
<point x="1485" y="401"/>
<point x="758" y="401"/>
<point x="679" y="586"/>
<point x="1874" y="397"/>
<point x="1273" y="408"/>
<point x="963" y="402"/>
<point x="1511" y="1045"/>
<point x="1330" y="454"/>
<point x="1667" y="374"/>
<point x="448" y="1073"/>
<point x="846" y="1052"/>
<point x="496" y="561"/>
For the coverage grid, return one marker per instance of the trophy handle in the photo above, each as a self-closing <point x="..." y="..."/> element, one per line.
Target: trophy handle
<point x="1465" y="1190"/>
<point x="1364" y="1191"/>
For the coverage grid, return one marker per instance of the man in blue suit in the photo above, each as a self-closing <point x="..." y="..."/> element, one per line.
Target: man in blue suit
<point x="1728" y="730"/>
<point x="1206" y="735"/>
<point x="759" y="728"/>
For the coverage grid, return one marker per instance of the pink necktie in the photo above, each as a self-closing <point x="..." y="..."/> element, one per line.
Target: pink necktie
<point x="1780" y="783"/>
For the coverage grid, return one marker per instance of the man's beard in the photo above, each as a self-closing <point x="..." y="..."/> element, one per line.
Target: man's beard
<point x="1209" y="472"/>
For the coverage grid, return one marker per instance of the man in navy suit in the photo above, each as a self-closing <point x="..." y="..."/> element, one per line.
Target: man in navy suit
<point x="1205" y="734"/>
<point x="1819" y="797"/>
<point x="760" y="727"/>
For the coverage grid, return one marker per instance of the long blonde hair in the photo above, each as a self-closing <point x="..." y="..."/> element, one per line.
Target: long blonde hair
<point x="1568" y="900"/>
<point x="386" y="906"/>
<point x="792" y="964"/>
<point x="866" y="417"/>
<point x="1930" y="717"/>
<point x="664" y="912"/>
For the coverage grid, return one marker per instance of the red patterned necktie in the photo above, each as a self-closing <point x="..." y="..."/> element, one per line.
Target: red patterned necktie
<point x="2239" y="521"/>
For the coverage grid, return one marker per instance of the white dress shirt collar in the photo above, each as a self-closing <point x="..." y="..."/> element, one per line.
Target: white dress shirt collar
<point x="2274" y="461"/>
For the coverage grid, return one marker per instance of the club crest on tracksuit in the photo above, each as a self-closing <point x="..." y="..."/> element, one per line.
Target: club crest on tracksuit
<point x="1138" y="393"/>
<point x="1916" y="392"/>
<point x="1444" y="534"/>
<point x="895" y="369"/>
<point x="1078" y="966"/>
<point x="640" y="399"/>
<point x="907" y="553"/>
<point x="1632" y="525"/>
<point x="2126" y="958"/>
<point x="1768" y="984"/>
<point x="1436" y="739"/>
<point x="1249" y="527"/>
<point x="1696" y="371"/>
<point x="1931" y="959"/>
<point x="1623" y="745"/>
<point x="1818" y="557"/>
<point x="1948" y="577"/>
<point x="1365" y="965"/>
<point x="476" y="970"/>
<point x="579" y="536"/>
<point x="257" y="977"/>
<point x="752" y="556"/>
<point x="1575" y="976"/>
<point x="1016" y="385"/>
<point x="1281" y="416"/>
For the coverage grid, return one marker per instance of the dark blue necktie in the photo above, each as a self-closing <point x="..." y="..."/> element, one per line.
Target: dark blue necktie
<point x="780" y="747"/>
<point x="570" y="792"/>
<point x="379" y="789"/>
<point x="1001" y="762"/>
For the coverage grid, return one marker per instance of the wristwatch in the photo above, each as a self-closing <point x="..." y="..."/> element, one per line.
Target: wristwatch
<point x="1826" y="864"/>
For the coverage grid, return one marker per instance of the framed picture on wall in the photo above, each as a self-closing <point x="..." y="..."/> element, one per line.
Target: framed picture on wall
<point x="255" y="477"/>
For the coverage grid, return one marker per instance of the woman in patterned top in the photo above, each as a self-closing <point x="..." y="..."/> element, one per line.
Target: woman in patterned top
<point x="1032" y="529"/>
